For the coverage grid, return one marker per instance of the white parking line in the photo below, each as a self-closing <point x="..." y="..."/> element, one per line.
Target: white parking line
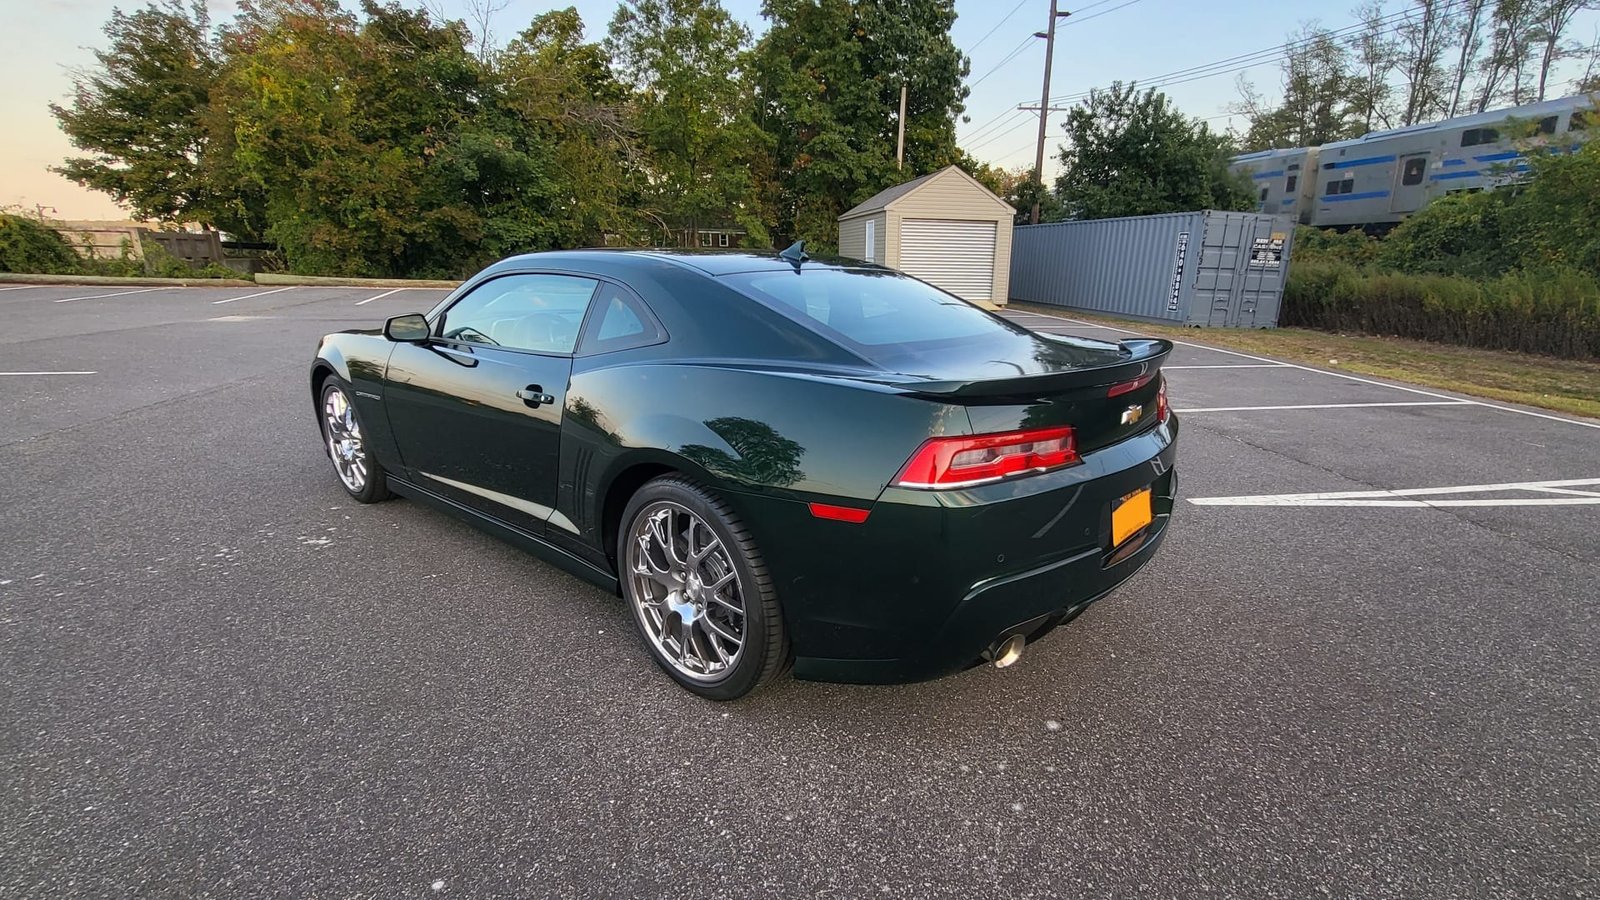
<point x="1232" y="366"/>
<point x="1211" y="409"/>
<point x="248" y="296"/>
<point x="23" y="287"/>
<point x="1396" y="387"/>
<point x="1408" y="497"/>
<point x="380" y="296"/>
<point x="117" y="294"/>
<point x="48" y="373"/>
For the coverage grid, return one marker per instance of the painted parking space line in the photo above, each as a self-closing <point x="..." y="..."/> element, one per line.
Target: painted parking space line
<point x="117" y="294"/>
<point x="27" y="374"/>
<point x="1417" y="498"/>
<point x="249" y="296"/>
<point x="1232" y="366"/>
<point x="24" y="287"/>
<point x="1213" y="409"/>
<point x="380" y="296"/>
<point x="1395" y="387"/>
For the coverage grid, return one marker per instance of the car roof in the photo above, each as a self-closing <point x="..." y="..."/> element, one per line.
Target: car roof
<point x="710" y="262"/>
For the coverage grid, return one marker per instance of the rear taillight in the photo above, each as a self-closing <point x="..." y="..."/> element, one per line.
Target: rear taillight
<point x="1162" y="410"/>
<point x="957" y="462"/>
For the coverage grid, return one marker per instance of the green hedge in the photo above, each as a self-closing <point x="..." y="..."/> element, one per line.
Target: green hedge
<point x="1554" y="311"/>
<point x="27" y="246"/>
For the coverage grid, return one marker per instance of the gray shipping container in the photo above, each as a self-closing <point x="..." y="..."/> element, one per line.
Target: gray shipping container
<point x="1221" y="269"/>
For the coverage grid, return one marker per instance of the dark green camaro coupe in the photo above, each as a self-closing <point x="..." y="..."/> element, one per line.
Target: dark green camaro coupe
<point x="775" y="460"/>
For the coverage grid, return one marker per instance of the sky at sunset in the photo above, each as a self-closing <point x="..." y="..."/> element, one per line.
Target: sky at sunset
<point x="1106" y="41"/>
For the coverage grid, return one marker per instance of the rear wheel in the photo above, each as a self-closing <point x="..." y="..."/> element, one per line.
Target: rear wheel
<point x="699" y="591"/>
<point x="353" y="462"/>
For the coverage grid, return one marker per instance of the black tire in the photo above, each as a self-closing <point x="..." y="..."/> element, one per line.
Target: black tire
<point x="764" y="652"/>
<point x="374" y="487"/>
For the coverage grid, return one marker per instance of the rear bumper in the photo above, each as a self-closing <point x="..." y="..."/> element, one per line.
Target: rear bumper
<point x="934" y="579"/>
<point x="1031" y="603"/>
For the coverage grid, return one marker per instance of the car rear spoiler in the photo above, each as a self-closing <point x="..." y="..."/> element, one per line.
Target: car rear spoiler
<point x="1139" y="357"/>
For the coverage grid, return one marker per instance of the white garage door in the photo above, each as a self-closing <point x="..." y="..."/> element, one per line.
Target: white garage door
<point x="957" y="256"/>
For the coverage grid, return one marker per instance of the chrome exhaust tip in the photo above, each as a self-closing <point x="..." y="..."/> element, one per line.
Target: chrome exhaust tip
<point x="1007" y="651"/>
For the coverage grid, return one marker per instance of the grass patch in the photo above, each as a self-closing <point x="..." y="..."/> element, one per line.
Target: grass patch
<point x="1563" y="385"/>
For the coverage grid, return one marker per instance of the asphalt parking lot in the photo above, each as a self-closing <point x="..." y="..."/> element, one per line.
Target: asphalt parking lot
<point x="219" y="676"/>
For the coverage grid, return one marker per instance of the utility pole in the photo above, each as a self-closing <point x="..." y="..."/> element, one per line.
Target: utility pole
<point x="900" y="148"/>
<point x="1049" y="35"/>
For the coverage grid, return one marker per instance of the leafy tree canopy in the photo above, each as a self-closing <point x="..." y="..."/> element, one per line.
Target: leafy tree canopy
<point x="1131" y="153"/>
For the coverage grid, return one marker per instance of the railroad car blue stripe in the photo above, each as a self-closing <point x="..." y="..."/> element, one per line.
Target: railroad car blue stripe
<point x="1446" y="176"/>
<point x="1273" y="174"/>
<point x="1342" y="198"/>
<point x="1288" y="201"/>
<point x="1454" y="162"/>
<point x="1496" y="157"/>
<point x="1368" y="161"/>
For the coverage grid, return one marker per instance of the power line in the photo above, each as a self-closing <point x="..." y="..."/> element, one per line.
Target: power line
<point x="1079" y="18"/>
<point x="1386" y="25"/>
<point x="996" y="27"/>
<point x="1025" y="120"/>
<point x="1009" y="117"/>
<point x="1026" y="43"/>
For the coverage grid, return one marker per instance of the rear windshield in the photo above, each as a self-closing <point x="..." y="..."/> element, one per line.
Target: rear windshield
<point x="869" y="309"/>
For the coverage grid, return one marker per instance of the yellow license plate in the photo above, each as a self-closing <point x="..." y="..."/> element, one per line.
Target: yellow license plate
<point x="1129" y="515"/>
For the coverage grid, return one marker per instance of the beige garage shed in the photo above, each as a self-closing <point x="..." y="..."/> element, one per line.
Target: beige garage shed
<point x="944" y="228"/>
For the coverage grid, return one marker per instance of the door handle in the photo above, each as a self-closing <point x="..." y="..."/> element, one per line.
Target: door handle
<point x="533" y="395"/>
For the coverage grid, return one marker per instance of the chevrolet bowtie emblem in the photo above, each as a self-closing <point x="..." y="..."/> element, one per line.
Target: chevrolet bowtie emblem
<point x="1132" y="414"/>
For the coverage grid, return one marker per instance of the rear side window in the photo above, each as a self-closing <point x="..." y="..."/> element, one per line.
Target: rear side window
<point x="1580" y="120"/>
<point x="620" y="321"/>
<point x="868" y="309"/>
<point x="1291" y="184"/>
<point x="1547" y="125"/>
<point x="1472" y="137"/>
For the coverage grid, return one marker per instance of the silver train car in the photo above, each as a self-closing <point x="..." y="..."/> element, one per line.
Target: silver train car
<point x="1378" y="179"/>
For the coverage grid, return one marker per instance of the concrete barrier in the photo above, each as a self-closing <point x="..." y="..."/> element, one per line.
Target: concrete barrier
<point x="273" y="278"/>
<point x="135" y="281"/>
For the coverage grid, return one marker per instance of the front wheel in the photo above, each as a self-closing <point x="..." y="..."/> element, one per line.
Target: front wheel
<point x="699" y="590"/>
<point x="346" y="444"/>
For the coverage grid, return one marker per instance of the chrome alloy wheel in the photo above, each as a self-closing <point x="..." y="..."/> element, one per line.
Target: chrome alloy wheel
<point x="345" y="446"/>
<point x="685" y="591"/>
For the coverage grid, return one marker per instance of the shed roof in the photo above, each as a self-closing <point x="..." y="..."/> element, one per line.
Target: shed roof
<point x="885" y="198"/>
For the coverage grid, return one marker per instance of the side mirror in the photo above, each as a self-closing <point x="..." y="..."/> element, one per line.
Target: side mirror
<point x="408" y="329"/>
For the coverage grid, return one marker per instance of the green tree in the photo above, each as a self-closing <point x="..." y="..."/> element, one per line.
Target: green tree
<point x="1317" y="107"/>
<point x="1131" y="153"/>
<point x="139" y="113"/>
<point x="686" y="59"/>
<point x="828" y="76"/>
<point x="563" y="94"/>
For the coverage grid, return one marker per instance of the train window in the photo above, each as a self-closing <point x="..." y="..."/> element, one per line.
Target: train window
<point x="1294" y="167"/>
<point x="1472" y="137"/>
<point x="1339" y="187"/>
<point x="1291" y="184"/>
<point x="1580" y="120"/>
<point x="1264" y="194"/>
<point x="1416" y="167"/>
<point x="1547" y="125"/>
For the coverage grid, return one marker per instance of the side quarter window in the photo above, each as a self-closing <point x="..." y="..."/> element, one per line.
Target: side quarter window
<point x="540" y="313"/>
<point x="620" y="321"/>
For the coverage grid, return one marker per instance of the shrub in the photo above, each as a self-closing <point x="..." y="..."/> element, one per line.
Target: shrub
<point x="1353" y="247"/>
<point x="1458" y="234"/>
<point x="31" y="247"/>
<point x="1553" y="311"/>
